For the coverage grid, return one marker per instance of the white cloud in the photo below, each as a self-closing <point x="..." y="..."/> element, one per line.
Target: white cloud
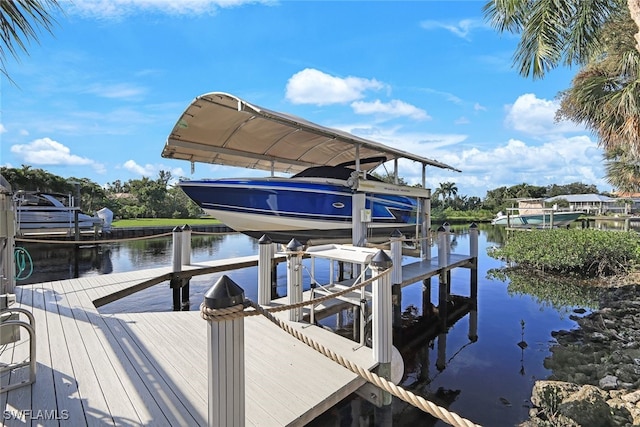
<point x="117" y="9"/>
<point x="311" y="86"/>
<point x="479" y="107"/>
<point x="462" y="28"/>
<point x="536" y="116"/>
<point x="151" y="170"/>
<point x="115" y="91"/>
<point x="47" y="152"/>
<point x="394" y="108"/>
<point x="557" y="160"/>
<point x="2" y="128"/>
<point x="561" y="160"/>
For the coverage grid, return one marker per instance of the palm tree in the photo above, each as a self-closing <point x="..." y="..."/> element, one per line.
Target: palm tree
<point x="19" y="21"/>
<point x="447" y="190"/>
<point x="557" y="31"/>
<point x="605" y="97"/>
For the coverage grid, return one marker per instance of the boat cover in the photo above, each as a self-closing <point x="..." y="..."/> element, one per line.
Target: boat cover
<point x="222" y="129"/>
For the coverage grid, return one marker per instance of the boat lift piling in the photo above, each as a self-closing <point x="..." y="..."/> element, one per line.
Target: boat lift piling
<point x="294" y="278"/>
<point x="180" y="285"/>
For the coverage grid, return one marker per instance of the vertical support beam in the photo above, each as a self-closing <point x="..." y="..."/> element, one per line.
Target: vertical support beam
<point x="7" y="240"/>
<point x="186" y="245"/>
<point x="443" y="299"/>
<point x="294" y="278"/>
<point x="359" y="228"/>
<point x="76" y="224"/>
<point x="265" y="260"/>
<point x="426" y="297"/>
<point x="473" y="286"/>
<point x="396" y="257"/>
<point x="177" y="250"/>
<point x="425" y="247"/>
<point x="176" y="284"/>
<point x="441" y="361"/>
<point x="382" y="318"/>
<point x="443" y="247"/>
<point x="225" y="355"/>
<point x="396" y="276"/>
<point x="473" y="240"/>
<point x="473" y="251"/>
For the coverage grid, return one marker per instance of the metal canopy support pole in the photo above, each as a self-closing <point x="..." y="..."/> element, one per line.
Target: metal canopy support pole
<point x="395" y="171"/>
<point x="226" y="376"/>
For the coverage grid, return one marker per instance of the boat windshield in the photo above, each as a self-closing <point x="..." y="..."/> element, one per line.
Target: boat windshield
<point x="335" y="172"/>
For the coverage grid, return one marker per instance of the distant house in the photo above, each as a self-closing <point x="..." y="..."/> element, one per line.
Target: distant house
<point x="632" y="198"/>
<point x="594" y="204"/>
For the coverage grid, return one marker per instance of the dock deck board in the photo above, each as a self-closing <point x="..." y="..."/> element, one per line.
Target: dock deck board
<point x="151" y="368"/>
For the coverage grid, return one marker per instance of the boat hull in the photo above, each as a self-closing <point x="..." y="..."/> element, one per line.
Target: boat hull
<point x="560" y="219"/>
<point x="285" y="208"/>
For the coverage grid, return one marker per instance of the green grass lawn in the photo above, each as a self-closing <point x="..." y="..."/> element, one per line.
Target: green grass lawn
<point x="162" y="222"/>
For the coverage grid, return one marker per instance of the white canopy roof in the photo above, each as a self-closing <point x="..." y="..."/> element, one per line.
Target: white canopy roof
<point x="223" y="129"/>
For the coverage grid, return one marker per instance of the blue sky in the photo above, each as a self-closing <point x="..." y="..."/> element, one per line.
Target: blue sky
<point x="99" y="97"/>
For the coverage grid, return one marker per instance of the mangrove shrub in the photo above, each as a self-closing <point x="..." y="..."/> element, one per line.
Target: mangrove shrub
<point x="585" y="253"/>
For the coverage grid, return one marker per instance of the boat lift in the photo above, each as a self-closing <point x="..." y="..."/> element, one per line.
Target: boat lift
<point x="220" y="128"/>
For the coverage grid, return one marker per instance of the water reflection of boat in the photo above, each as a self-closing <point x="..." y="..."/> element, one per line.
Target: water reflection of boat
<point x="49" y="211"/>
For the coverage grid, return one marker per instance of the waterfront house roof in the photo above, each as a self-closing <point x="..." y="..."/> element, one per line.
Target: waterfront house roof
<point x="223" y="129"/>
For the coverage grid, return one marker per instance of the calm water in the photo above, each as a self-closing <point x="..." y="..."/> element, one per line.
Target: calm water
<point x="487" y="381"/>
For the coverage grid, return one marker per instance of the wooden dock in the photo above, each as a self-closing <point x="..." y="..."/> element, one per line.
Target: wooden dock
<point x="151" y="368"/>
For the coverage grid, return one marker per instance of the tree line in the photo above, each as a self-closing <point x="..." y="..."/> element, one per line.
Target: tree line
<point x="136" y="198"/>
<point x="158" y="198"/>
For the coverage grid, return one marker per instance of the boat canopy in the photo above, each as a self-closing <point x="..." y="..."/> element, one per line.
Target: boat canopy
<point x="223" y="129"/>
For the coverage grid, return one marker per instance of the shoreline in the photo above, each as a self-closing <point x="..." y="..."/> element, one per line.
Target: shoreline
<point x="595" y="367"/>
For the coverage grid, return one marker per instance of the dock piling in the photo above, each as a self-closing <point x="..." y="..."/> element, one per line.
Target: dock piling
<point x="294" y="278"/>
<point x="180" y="287"/>
<point x="443" y="247"/>
<point x="225" y="356"/>
<point x="382" y="318"/>
<point x="186" y="245"/>
<point x="265" y="256"/>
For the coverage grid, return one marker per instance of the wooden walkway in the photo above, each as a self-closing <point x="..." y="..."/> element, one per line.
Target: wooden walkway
<point x="151" y="368"/>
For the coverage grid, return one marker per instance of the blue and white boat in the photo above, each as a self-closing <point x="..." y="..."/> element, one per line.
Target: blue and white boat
<point x="315" y="204"/>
